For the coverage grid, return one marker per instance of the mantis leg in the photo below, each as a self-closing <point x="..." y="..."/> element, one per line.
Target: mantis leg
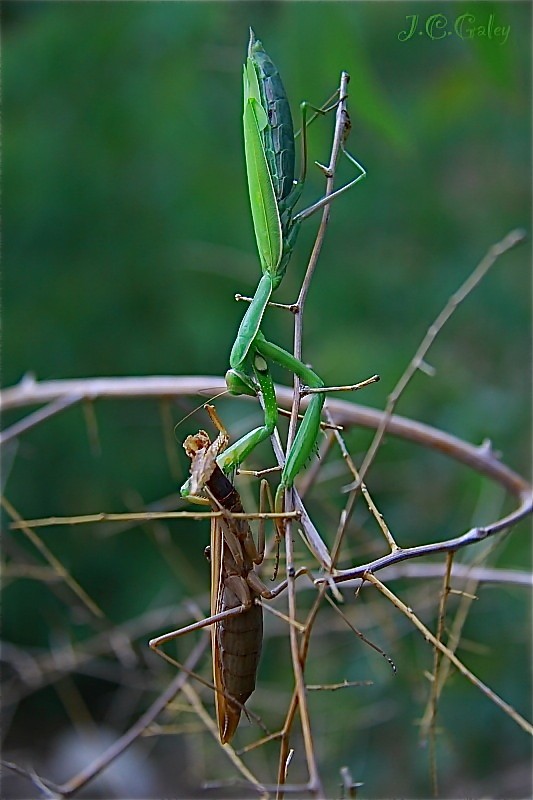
<point x="307" y="212"/>
<point x="240" y="383"/>
<point x="305" y="106"/>
<point x="292" y="227"/>
<point x="235" y="455"/>
<point x="305" y="441"/>
<point x="251" y="322"/>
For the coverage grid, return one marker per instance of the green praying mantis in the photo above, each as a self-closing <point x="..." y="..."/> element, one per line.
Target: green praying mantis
<point x="270" y="165"/>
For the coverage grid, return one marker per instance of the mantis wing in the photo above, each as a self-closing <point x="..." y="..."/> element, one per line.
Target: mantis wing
<point x="265" y="213"/>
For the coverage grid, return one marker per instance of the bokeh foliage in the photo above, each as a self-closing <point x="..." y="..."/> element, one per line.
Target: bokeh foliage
<point x="127" y="232"/>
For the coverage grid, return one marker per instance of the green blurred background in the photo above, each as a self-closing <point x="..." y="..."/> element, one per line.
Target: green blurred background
<point x="127" y="233"/>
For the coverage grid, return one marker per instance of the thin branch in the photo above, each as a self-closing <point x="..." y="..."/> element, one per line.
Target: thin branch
<point x="512" y="239"/>
<point x="338" y="134"/>
<point x="350" y="387"/>
<point x="366" y="494"/>
<point x="464" y="572"/>
<point x="53" y="561"/>
<point x="145" y="516"/>
<point x="477" y="534"/>
<point x="436" y="685"/>
<point x="57" y="406"/>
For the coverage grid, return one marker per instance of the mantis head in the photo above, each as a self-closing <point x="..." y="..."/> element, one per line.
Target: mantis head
<point x="239" y="383"/>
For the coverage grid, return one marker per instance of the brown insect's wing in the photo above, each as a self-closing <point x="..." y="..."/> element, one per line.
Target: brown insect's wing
<point x="228" y="715"/>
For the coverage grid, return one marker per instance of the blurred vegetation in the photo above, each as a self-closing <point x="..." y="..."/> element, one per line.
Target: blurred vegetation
<point x="127" y="233"/>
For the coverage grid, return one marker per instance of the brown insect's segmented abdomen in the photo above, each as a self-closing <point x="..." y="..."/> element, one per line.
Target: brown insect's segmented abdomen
<point x="239" y="640"/>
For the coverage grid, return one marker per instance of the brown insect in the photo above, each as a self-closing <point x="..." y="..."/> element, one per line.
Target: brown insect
<point x="236" y="616"/>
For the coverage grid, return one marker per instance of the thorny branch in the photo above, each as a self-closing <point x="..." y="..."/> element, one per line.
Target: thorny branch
<point x="482" y="458"/>
<point x="479" y="458"/>
<point x="315" y="786"/>
<point x="524" y="724"/>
